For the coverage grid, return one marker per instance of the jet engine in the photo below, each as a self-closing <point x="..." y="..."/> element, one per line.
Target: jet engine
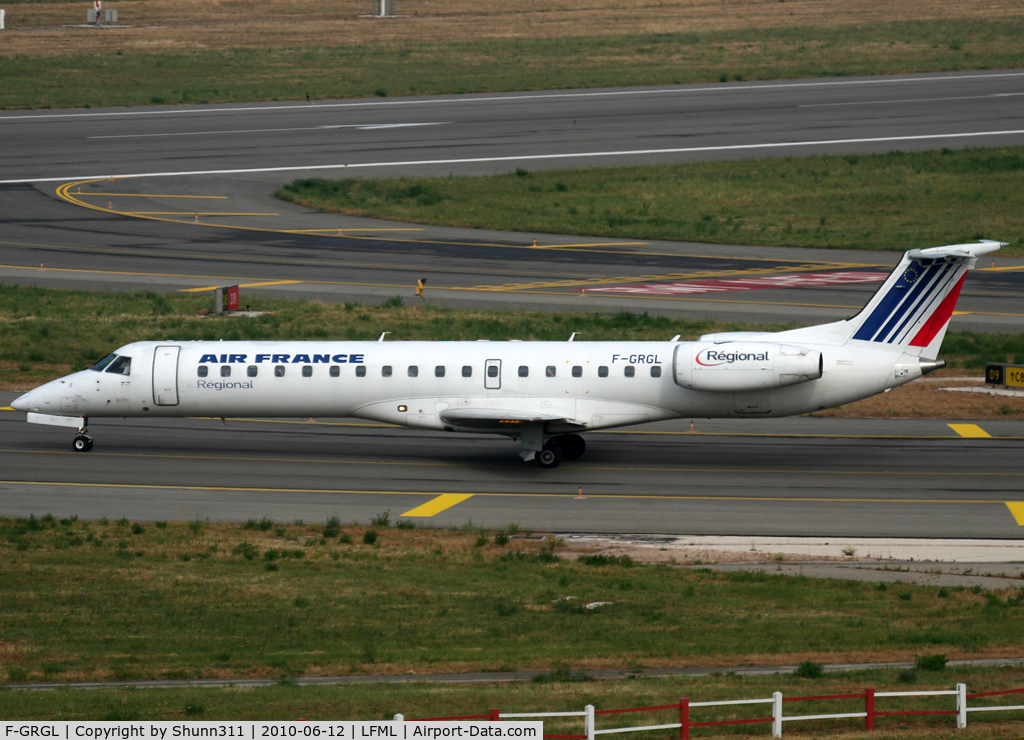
<point x="744" y="366"/>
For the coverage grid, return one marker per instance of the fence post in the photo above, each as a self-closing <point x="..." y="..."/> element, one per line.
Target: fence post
<point x="399" y="718"/>
<point x="961" y="706"/>
<point x="588" y="721"/>
<point x="777" y="714"/>
<point x="494" y="715"/>
<point x="869" y="709"/>
<point x="684" y="719"/>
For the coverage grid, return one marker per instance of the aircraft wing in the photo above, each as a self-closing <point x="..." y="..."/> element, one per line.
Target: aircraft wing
<point x="494" y="419"/>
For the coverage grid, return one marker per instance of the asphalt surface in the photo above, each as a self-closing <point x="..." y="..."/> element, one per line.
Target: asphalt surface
<point x="787" y="477"/>
<point x="484" y="133"/>
<point x="199" y="212"/>
<point x="164" y="230"/>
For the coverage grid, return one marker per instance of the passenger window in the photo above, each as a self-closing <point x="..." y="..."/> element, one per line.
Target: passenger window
<point x="414" y="371"/>
<point x="121" y="366"/>
<point x="550" y="371"/>
<point x="655" y="371"/>
<point x="577" y="371"/>
<point x="251" y="371"/>
<point x="602" y="371"/>
<point x="361" y="371"/>
<point x="386" y="371"/>
<point x="467" y="371"/>
<point x="492" y="371"/>
<point x="524" y="371"/>
<point x="335" y="371"/>
<point x="439" y="371"/>
<point x="630" y="371"/>
<point x="278" y="371"/>
<point x="202" y="371"/>
<point x="225" y="371"/>
<point x="307" y="371"/>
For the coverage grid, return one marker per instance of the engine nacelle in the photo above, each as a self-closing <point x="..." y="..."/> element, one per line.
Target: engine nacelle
<point x="744" y="366"/>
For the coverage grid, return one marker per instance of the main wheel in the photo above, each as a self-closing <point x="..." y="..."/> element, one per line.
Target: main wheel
<point x="82" y="443"/>
<point x="550" y="457"/>
<point x="572" y="446"/>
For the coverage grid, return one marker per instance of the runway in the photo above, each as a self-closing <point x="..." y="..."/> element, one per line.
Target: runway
<point x="192" y="232"/>
<point x="786" y="477"/>
<point x="67" y="223"/>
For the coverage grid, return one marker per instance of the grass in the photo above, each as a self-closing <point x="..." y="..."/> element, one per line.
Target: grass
<point x="237" y="58"/>
<point x="888" y="202"/>
<point x="99" y="601"/>
<point x="40" y="344"/>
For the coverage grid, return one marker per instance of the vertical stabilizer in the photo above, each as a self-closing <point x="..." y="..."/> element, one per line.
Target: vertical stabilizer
<point x="911" y="310"/>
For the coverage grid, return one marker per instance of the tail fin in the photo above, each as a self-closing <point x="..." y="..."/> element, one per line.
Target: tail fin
<point x="913" y="307"/>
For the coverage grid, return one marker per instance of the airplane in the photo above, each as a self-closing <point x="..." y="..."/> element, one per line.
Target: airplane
<point x="542" y="394"/>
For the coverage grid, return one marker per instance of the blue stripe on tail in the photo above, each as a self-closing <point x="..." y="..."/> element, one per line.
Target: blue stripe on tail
<point x="899" y="299"/>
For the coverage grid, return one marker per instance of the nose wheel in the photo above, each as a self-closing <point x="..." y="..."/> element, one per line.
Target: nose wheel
<point x="83" y="442"/>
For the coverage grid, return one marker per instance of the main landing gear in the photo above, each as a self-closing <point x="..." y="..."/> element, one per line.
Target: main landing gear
<point x="557" y="449"/>
<point x="83" y="442"/>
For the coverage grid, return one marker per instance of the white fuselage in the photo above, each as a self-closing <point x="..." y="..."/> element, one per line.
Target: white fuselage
<point x="586" y="385"/>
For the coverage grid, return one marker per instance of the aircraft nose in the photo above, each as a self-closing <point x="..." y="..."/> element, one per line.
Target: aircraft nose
<point x="21" y="402"/>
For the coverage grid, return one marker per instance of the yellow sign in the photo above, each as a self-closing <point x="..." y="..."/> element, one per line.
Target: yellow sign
<point x="1014" y="376"/>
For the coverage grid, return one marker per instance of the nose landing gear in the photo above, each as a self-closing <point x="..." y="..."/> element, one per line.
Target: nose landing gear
<point x="83" y="442"/>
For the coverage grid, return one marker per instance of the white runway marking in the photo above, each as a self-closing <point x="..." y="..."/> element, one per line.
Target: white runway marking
<point x="461" y="99"/>
<point x="360" y="126"/>
<point x="911" y="100"/>
<point x="525" y="157"/>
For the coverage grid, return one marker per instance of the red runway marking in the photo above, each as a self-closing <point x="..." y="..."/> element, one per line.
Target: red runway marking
<point x="803" y="280"/>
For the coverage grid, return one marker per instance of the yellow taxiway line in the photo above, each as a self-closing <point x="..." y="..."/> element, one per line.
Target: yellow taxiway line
<point x="194" y="213"/>
<point x="246" y="285"/>
<point x="504" y="494"/>
<point x="153" y="195"/>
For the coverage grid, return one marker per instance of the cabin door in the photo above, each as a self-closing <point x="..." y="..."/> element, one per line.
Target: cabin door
<point x="165" y="376"/>
<point x="492" y="375"/>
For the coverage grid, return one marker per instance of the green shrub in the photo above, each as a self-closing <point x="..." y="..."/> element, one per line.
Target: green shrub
<point x="931" y="662"/>
<point x="246" y="550"/>
<point x="809" y="669"/>
<point x="332" y="528"/>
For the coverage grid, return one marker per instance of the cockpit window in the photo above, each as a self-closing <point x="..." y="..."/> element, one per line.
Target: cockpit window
<point x="98" y="367"/>
<point x="121" y="366"/>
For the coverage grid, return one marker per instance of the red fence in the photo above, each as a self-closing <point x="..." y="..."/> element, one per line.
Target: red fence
<point x="683" y="708"/>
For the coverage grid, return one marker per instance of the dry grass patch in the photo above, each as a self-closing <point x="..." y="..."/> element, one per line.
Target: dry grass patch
<point x="43" y="27"/>
<point x="926" y="399"/>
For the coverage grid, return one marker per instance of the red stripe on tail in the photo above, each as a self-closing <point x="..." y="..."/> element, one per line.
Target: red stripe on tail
<point x="938" y="319"/>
